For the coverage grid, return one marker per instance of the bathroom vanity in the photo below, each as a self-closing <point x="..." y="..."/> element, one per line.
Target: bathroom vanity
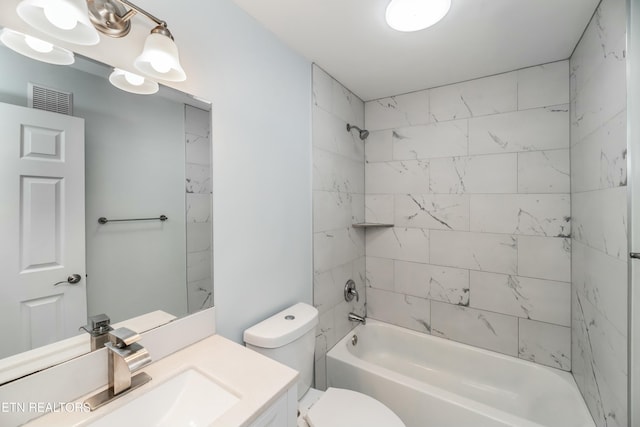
<point x="230" y="386"/>
<point x="196" y="380"/>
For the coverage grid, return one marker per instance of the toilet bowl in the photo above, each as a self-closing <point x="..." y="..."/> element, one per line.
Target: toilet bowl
<point x="289" y="338"/>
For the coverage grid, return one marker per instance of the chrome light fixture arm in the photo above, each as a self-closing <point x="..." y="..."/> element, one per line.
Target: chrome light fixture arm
<point x="111" y="17"/>
<point x="133" y="9"/>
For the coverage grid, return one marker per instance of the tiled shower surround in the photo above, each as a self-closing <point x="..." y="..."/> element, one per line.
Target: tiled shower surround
<point x="338" y="202"/>
<point x="198" y="200"/>
<point x="475" y="178"/>
<point x="599" y="209"/>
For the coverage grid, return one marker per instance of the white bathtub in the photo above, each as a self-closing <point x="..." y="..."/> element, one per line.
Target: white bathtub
<point x="433" y="382"/>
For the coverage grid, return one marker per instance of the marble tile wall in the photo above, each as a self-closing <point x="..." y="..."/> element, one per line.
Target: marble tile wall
<point x="599" y="214"/>
<point x="475" y="176"/>
<point x="198" y="209"/>
<point x="338" y="202"/>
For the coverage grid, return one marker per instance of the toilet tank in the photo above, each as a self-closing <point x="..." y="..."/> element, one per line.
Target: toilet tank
<point x="290" y="338"/>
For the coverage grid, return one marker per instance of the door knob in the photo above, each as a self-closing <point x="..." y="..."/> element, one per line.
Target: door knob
<point x="72" y="280"/>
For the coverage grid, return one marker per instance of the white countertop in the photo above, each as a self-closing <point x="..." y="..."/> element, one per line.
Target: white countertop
<point x="257" y="380"/>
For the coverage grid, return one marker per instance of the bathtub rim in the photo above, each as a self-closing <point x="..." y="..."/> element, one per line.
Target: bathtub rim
<point x="340" y="353"/>
<point x="457" y="344"/>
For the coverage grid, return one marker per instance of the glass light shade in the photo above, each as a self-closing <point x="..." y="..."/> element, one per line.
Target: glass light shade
<point x="34" y="48"/>
<point x="160" y="60"/>
<point x="133" y="83"/>
<point x="415" y="15"/>
<point x="66" y="20"/>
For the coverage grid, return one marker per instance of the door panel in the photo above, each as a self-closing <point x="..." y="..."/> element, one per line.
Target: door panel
<point x="41" y="227"/>
<point x="47" y="310"/>
<point x="42" y="143"/>
<point x="40" y="223"/>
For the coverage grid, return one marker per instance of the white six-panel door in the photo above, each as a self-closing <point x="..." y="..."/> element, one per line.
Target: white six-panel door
<point x="42" y="230"/>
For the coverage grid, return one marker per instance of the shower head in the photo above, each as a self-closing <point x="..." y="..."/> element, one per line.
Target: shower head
<point x="364" y="134"/>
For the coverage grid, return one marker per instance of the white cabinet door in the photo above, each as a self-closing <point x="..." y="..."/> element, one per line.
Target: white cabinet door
<point x="283" y="413"/>
<point x="41" y="227"/>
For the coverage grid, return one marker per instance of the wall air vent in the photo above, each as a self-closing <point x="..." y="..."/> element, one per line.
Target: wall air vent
<point x="45" y="98"/>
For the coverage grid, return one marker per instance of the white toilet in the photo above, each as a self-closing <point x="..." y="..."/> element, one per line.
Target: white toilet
<point x="289" y="337"/>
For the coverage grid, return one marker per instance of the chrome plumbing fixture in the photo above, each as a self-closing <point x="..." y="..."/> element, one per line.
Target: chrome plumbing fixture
<point x="363" y="133"/>
<point x="355" y="318"/>
<point x="125" y="356"/>
<point x="98" y="327"/>
<point x="350" y="291"/>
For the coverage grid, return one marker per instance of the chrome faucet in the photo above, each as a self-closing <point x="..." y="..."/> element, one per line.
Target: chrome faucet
<point x="98" y="327"/>
<point x="355" y="318"/>
<point x="125" y="356"/>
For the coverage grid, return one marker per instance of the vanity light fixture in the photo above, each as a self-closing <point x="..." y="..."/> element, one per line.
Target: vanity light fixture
<point x="78" y="21"/>
<point x="415" y="15"/>
<point x="133" y="83"/>
<point x="34" y="48"/>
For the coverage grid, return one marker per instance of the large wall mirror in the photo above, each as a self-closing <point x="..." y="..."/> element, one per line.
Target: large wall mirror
<point x="144" y="157"/>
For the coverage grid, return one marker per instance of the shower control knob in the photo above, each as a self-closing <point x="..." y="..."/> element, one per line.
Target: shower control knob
<point x="350" y="291"/>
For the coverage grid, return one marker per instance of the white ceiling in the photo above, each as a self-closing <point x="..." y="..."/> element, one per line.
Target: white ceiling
<point x="351" y="41"/>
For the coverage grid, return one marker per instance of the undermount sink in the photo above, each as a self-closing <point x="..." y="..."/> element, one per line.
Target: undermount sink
<point x="189" y="399"/>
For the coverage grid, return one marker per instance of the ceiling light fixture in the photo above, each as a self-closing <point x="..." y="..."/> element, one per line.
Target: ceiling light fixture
<point x="415" y="15"/>
<point x="76" y="21"/>
<point x="133" y="83"/>
<point x="34" y="48"/>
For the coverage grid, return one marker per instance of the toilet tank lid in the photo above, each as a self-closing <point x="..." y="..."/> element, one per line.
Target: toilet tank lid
<point x="283" y="328"/>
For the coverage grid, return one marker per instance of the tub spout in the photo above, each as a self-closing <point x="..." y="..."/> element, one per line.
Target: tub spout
<point x="355" y="318"/>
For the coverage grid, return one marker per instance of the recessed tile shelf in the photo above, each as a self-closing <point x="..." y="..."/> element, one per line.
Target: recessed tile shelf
<point x="371" y="225"/>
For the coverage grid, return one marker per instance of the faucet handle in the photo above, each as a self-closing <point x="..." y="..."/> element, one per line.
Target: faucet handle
<point x="97" y="325"/>
<point x="350" y="291"/>
<point x="123" y="337"/>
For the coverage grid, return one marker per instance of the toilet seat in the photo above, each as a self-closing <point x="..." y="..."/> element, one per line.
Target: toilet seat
<point x="346" y="408"/>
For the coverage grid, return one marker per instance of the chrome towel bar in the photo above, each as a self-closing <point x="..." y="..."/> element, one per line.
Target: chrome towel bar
<point x="103" y="220"/>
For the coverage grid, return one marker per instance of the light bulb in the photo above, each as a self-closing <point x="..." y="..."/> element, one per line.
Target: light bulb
<point x="61" y="15"/>
<point x="160" y="64"/>
<point x="38" y="45"/>
<point x="133" y="79"/>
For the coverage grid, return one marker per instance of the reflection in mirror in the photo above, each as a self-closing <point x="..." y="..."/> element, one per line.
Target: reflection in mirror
<point x="144" y="156"/>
